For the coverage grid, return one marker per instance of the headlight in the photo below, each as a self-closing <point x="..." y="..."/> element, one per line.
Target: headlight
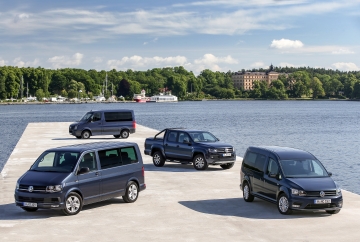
<point x="56" y="188"/>
<point x="213" y="150"/>
<point x="338" y="191"/>
<point x="17" y="185"/>
<point x="298" y="192"/>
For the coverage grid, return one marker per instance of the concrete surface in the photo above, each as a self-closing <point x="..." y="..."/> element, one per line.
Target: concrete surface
<point x="179" y="204"/>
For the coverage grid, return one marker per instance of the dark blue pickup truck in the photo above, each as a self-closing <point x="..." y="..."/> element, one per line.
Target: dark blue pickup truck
<point x="189" y="146"/>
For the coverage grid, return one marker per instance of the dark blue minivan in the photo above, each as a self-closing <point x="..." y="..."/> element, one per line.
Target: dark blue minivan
<point x="293" y="179"/>
<point x="69" y="177"/>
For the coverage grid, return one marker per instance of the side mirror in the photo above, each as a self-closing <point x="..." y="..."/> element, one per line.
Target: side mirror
<point x="276" y="176"/>
<point x="83" y="170"/>
<point x="330" y="173"/>
<point x="217" y="139"/>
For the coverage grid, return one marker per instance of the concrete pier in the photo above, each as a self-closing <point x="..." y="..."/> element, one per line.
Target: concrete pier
<point x="179" y="204"/>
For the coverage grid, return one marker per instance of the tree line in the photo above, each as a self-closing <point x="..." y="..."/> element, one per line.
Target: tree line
<point x="302" y="82"/>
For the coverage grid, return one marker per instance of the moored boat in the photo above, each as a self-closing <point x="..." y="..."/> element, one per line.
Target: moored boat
<point x="162" y="98"/>
<point x="141" y="98"/>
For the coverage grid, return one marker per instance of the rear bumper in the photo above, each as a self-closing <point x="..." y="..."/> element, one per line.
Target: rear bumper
<point x="142" y="187"/>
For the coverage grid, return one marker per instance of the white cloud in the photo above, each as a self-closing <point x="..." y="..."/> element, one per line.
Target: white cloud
<point x="3" y="62"/>
<point x="138" y="61"/>
<point x="210" y="61"/>
<point x="286" y="44"/>
<point x="259" y="64"/>
<point x="20" y="63"/>
<point x="65" y="61"/>
<point x="342" y="51"/>
<point x="346" y="66"/>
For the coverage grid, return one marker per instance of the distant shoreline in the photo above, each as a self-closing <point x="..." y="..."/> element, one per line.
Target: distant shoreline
<point x="242" y="99"/>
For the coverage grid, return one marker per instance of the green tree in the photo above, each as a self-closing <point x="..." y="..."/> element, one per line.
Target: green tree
<point x="317" y="88"/>
<point x="40" y="94"/>
<point x="356" y="91"/>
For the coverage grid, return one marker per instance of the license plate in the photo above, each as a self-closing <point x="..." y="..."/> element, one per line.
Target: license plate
<point x="33" y="205"/>
<point x="322" y="201"/>
<point x="227" y="154"/>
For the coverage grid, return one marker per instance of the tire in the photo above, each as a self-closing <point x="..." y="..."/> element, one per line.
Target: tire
<point x="117" y="136"/>
<point x="132" y="192"/>
<point x="333" y="211"/>
<point x="73" y="204"/>
<point x="78" y="137"/>
<point x="85" y="134"/>
<point x="158" y="159"/>
<point x="29" y="209"/>
<point x="283" y="204"/>
<point x="200" y="163"/>
<point x="124" y="134"/>
<point x="248" y="197"/>
<point x="227" y="166"/>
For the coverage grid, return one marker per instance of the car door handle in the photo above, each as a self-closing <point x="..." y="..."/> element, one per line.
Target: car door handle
<point x="96" y="173"/>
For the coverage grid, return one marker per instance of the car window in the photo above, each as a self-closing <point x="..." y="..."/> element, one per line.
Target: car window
<point x="203" y="137"/>
<point x="303" y="168"/>
<point x="254" y="161"/>
<point x="183" y="137"/>
<point x="128" y="155"/>
<point x="117" y="157"/>
<point x="273" y="167"/>
<point x="56" y="161"/>
<point x="109" y="158"/>
<point x="118" y="116"/>
<point x="96" y="117"/>
<point x="89" y="161"/>
<point x="172" y="136"/>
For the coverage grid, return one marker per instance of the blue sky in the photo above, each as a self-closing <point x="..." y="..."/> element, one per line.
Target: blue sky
<point x="218" y="35"/>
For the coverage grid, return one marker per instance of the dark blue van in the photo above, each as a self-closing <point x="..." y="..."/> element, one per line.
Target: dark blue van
<point x="117" y="122"/>
<point x="293" y="179"/>
<point x="69" y="177"/>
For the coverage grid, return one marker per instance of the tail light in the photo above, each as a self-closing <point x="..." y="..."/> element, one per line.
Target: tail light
<point x="143" y="171"/>
<point x="134" y="124"/>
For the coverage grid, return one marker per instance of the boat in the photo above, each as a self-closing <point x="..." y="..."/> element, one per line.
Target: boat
<point x="163" y="98"/>
<point x="141" y="98"/>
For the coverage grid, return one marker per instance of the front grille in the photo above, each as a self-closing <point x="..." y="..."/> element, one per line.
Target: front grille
<point x="25" y="188"/>
<point x="39" y="200"/>
<point x="317" y="193"/>
<point x="225" y="150"/>
<point x="320" y="206"/>
<point x="30" y="199"/>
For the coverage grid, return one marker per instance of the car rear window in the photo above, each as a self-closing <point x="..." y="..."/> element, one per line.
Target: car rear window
<point x="254" y="161"/>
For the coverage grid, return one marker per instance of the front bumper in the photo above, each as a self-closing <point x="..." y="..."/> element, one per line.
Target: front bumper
<point x="75" y="132"/>
<point x="219" y="159"/>
<point x="308" y="203"/>
<point x="42" y="200"/>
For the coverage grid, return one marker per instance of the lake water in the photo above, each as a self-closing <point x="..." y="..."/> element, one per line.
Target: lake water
<point x="328" y="129"/>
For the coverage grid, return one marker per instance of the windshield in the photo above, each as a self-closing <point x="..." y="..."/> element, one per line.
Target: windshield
<point x="86" y="117"/>
<point x="303" y="168"/>
<point x="56" y="162"/>
<point x="200" y="136"/>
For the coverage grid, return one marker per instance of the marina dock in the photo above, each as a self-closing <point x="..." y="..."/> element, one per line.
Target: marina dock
<point x="179" y="204"/>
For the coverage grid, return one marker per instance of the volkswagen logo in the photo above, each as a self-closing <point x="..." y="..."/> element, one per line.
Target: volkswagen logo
<point x="31" y="188"/>
<point x="322" y="194"/>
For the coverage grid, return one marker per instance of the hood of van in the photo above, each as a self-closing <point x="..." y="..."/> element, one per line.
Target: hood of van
<point x="41" y="178"/>
<point x="314" y="183"/>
